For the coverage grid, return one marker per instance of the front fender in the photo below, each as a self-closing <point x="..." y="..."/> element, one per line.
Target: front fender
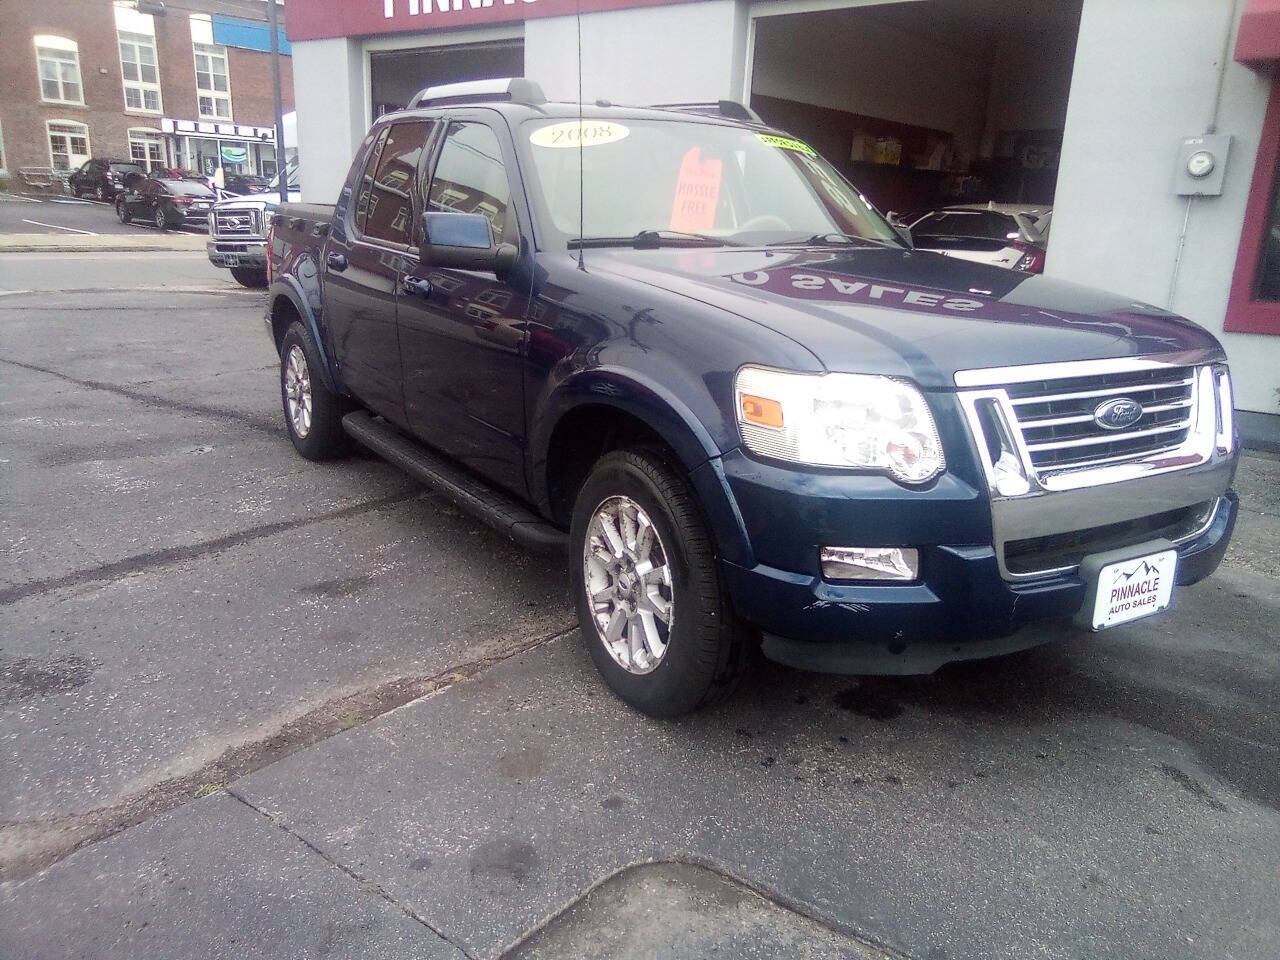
<point x="289" y="288"/>
<point x="670" y="418"/>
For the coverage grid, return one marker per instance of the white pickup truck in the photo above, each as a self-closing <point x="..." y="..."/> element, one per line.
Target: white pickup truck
<point x="238" y="231"/>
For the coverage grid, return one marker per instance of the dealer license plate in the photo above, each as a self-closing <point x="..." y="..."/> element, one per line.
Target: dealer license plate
<point x="1134" y="588"/>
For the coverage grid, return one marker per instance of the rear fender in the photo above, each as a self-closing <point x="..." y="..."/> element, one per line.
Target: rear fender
<point x="287" y="287"/>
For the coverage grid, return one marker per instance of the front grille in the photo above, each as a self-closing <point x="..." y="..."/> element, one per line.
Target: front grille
<point x="236" y="223"/>
<point x="1063" y="550"/>
<point x="1056" y="417"/>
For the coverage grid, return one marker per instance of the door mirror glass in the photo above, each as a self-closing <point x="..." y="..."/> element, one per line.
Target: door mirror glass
<point x="457" y="230"/>
<point x="463" y="241"/>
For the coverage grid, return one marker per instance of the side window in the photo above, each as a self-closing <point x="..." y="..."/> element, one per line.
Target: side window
<point x="389" y="211"/>
<point x="470" y="177"/>
<point x="366" y="182"/>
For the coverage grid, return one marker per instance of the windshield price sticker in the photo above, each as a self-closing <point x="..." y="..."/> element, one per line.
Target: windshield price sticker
<point x="571" y="133"/>
<point x="787" y="143"/>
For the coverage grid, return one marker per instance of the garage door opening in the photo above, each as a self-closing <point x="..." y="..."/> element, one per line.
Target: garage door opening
<point x="928" y="103"/>
<point x="396" y="75"/>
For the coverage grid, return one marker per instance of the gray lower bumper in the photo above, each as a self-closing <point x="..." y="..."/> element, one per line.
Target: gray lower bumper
<point x="238" y="253"/>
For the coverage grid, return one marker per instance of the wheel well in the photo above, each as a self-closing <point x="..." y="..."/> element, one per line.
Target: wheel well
<point x="582" y="437"/>
<point x="283" y="314"/>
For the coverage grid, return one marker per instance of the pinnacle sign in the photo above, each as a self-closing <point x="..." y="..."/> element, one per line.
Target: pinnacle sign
<point x="321" y="19"/>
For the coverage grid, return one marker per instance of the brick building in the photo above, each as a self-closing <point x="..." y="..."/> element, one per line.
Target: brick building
<point x="187" y="87"/>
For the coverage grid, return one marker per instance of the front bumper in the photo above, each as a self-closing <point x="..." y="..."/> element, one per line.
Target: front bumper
<point x="237" y="253"/>
<point x="962" y="609"/>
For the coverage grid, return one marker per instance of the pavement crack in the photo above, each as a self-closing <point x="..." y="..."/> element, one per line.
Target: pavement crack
<point x="269" y="427"/>
<point x="29" y="846"/>
<point x="169" y="556"/>
<point x="366" y="885"/>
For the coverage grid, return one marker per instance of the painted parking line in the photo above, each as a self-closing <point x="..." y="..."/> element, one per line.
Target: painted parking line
<point x="15" y="198"/>
<point x="54" y="226"/>
<point x="75" y="200"/>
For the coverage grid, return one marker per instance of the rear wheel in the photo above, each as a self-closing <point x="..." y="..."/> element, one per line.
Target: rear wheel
<point x="312" y="412"/>
<point x="252" y="277"/>
<point x="102" y="194"/>
<point x="160" y="220"/>
<point x="654" y="614"/>
<point x="122" y="212"/>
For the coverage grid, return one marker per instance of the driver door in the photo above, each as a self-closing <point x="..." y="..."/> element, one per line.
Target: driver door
<point x="462" y="332"/>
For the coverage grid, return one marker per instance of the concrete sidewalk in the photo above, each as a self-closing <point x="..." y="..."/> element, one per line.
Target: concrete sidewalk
<point x="170" y="240"/>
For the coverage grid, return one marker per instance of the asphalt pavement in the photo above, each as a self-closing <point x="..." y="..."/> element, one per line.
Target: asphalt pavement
<point x="252" y="706"/>
<point x="64" y="216"/>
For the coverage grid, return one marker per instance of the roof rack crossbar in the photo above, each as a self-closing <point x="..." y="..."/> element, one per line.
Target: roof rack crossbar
<point x="725" y="108"/>
<point x="514" y="89"/>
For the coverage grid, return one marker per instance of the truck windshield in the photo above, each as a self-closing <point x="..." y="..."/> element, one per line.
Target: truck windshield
<point x="645" y="178"/>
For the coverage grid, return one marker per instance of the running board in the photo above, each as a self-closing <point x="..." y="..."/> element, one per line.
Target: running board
<point x="488" y="504"/>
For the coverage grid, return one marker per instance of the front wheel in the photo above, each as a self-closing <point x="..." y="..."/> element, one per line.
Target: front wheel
<point x="160" y="220"/>
<point x="654" y="613"/>
<point x="122" y="212"/>
<point x="251" y="277"/>
<point x="312" y="412"/>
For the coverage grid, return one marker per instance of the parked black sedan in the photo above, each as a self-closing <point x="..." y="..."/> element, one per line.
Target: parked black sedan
<point x="165" y="203"/>
<point x="243" y="184"/>
<point x="102" y="178"/>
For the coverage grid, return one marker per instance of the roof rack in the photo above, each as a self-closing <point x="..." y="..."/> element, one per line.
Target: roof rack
<point x="723" y="108"/>
<point x="514" y="89"/>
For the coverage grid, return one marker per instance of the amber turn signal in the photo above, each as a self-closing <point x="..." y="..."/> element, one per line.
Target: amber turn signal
<point x="765" y="412"/>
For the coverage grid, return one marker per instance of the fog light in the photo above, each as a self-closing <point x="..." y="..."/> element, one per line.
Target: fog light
<point x="870" y="563"/>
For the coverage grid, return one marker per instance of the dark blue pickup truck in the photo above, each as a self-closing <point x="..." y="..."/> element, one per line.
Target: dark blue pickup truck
<point x="677" y="346"/>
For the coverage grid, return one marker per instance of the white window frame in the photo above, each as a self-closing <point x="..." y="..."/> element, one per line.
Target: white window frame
<point x="49" y="134"/>
<point x="202" y="37"/>
<point x="70" y="53"/>
<point x="137" y="30"/>
<point x="148" y="137"/>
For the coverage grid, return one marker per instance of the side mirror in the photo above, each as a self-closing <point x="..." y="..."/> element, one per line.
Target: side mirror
<point x="464" y="241"/>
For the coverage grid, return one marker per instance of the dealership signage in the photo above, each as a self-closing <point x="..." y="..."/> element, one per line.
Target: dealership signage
<point x="318" y="19"/>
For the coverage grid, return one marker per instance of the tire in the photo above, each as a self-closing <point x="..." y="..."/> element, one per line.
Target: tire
<point x="160" y="220"/>
<point x="706" y="650"/>
<point x="123" y="212"/>
<point x="102" y="194"/>
<point x="322" y="437"/>
<point x="251" y="277"/>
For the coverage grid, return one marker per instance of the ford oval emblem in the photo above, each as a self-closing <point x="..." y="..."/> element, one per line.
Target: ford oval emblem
<point x="1118" y="413"/>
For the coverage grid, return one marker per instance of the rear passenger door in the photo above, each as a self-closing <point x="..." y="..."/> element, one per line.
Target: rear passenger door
<point x="363" y="266"/>
<point x="462" y="332"/>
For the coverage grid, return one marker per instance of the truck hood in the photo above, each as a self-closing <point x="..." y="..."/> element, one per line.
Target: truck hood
<point x="909" y="313"/>
<point x="259" y="201"/>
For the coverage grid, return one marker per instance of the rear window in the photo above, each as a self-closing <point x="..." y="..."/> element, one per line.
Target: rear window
<point x="976" y="224"/>
<point x="188" y="188"/>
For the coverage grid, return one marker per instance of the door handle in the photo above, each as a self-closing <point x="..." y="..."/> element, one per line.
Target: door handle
<point x="416" y="286"/>
<point x="336" y="261"/>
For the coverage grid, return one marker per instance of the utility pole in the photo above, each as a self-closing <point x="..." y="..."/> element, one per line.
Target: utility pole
<point x="282" y="163"/>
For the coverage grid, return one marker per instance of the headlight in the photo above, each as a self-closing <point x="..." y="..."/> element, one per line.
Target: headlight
<point x="839" y="420"/>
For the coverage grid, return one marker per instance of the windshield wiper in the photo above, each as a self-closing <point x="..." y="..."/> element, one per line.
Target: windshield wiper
<point x="835" y="239"/>
<point x="652" y="239"/>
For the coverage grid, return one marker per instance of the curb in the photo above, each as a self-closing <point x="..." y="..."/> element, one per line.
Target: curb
<point x="100" y="243"/>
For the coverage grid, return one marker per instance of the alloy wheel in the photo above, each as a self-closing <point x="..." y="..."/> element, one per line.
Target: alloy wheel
<point x="628" y="581"/>
<point x="297" y="391"/>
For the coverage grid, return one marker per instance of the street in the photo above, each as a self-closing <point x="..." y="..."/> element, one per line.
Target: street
<point x="253" y="706"/>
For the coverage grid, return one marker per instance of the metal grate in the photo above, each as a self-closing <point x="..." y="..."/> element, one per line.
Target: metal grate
<point x="237" y="223"/>
<point x="1056" y="417"/>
